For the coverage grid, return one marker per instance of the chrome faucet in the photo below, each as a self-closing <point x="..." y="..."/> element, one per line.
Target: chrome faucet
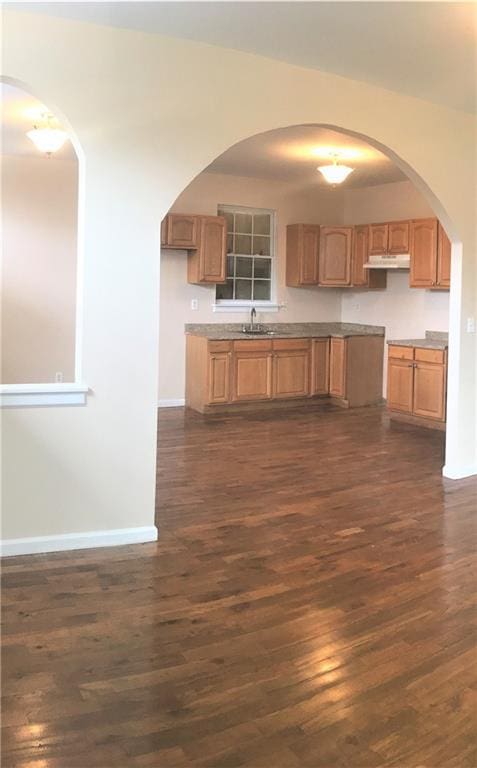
<point x="253" y="314"/>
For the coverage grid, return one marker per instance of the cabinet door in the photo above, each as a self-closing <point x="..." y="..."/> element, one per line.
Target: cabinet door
<point x="359" y="275"/>
<point x="423" y="250"/>
<point x="219" y="377"/>
<point x="398" y="237"/>
<point x="338" y="349"/>
<point x="252" y="379"/>
<point x="335" y="256"/>
<point x="291" y="373"/>
<point x="378" y="239"/>
<point x="309" y="253"/>
<point x="429" y="390"/>
<point x="400" y="384"/>
<point x="320" y="366"/>
<point x="443" y="258"/>
<point x="212" y="249"/>
<point x="181" y="231"/>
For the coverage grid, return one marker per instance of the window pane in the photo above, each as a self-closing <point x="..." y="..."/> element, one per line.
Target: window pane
<point x="243" y="289"/>
<point x="261" y="224"/>
<point x="261" y="245"/>
<point x="263" y="268"/>
<point x="230" y="243"/>
<point x="262" y="289"/>
<point x="229" y="218"/>
<point x="225" y="291"/>
<point x="230" y="266"/>
<point x="243" y="267"/>
<point x="243" y="223"/>
<point x="243" y="244"/>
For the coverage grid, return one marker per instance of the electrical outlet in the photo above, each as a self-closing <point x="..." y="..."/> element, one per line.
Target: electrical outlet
<point x="356" y="307"/>
<point x="194" y="304"/>
<point x="59" y="377"/>
<point x="471" y="325"/>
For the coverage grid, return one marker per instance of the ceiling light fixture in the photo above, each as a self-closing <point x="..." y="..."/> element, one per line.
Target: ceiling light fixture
<point x="335" y="174"/>
<point x="47" y="139"/>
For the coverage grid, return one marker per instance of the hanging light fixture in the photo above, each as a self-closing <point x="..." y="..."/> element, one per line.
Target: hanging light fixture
<point x="46" y="138"/>
<point x="335" y="174"/>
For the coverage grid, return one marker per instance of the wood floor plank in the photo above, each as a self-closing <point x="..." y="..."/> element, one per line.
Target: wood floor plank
<point x="310" y="602"/>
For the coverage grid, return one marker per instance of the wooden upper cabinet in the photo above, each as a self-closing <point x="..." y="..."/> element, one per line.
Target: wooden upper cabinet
<point x="320" y="366"/>
<point x="335" y="256"/>
<point x="423" y="250"/>
<point x="291" y="368"/>
<point x="400" y="385"/>
<point x="429" y="390"/>
<point x="443" y="258"/>
<point x="378" y="239"/>
<point x="302" y="254"/>
<point x="338" y="349"/>
<point x="359" y="275"/>
<point x="398" y="237"/>
<point x="179" y="231"/>
<point x="207" y="263"/>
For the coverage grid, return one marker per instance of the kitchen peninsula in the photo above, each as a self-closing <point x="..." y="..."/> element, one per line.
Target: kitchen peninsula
<point x="288" y="362"/>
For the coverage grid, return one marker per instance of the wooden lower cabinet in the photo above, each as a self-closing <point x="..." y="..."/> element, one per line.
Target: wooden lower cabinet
<point x="219" y="377"/>
<point x="400" y="385"/>
<point x="228" y="373"/>
<point x="417" y="385"/>
<point x="338" y="349"/>
<point x="291" y="368"/>
<point x="320" y="367"/>
<point x="429" y="391"/>
<point x="252" y="372"/>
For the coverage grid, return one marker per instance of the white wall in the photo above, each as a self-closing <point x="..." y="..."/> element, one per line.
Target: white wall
<point x="405" y="312"/>
<point x="39" y="231"/>
<point x="150" y="113"/>
<point x="292" y="204"/>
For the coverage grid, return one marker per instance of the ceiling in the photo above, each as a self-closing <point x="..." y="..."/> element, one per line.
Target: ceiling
<point x="293" y="154"/>
<point x="423" y="49"/>
<point x="20" y="112"/>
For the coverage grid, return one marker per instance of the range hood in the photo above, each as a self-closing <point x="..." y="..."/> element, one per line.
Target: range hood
<point x="389" y="261"/>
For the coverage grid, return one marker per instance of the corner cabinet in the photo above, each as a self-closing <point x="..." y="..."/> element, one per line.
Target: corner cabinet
<point x="335" y="256"/>
<point x="205" y="239"/>
<point x="417" y="385"/>
<point x="247" y="371"/>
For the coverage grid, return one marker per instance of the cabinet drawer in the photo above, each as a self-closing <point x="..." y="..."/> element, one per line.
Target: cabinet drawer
<point x="290" y="344"/>
<point x="220" y="346"/>
<point x="429" y="355"/>
<point x="253" y="345"/>
<point x="401" y="353"/>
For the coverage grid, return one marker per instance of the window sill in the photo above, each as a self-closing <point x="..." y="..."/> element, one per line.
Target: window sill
<point x="245" y="306"/>
<point x="32" y="395"/>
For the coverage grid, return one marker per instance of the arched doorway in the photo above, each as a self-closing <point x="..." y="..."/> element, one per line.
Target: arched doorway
<point x="238" y="152"/>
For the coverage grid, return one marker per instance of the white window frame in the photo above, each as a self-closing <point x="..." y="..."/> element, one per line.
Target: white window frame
<point x="244" y="305"/>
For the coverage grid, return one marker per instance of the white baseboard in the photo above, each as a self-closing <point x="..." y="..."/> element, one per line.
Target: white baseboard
<point x="83" y="540"/>
<point x="458" y="473"/>
<point x="171" y="403"/>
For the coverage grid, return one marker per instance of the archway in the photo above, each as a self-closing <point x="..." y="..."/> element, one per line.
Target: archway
<point x="438" y="211"/>
<point x="43" y="216"/>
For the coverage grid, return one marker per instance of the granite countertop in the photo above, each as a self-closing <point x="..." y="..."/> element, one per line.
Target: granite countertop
<point x="432" y="340"/>
<point x="228" y="331"/>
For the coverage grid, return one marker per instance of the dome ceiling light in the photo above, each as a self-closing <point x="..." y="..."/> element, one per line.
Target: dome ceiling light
<point x="46" y="138"/>
<point x="335" y="174"/>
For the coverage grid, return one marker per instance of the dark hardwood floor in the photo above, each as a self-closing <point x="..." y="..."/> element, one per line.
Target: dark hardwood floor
<point x="310" y="602"/>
